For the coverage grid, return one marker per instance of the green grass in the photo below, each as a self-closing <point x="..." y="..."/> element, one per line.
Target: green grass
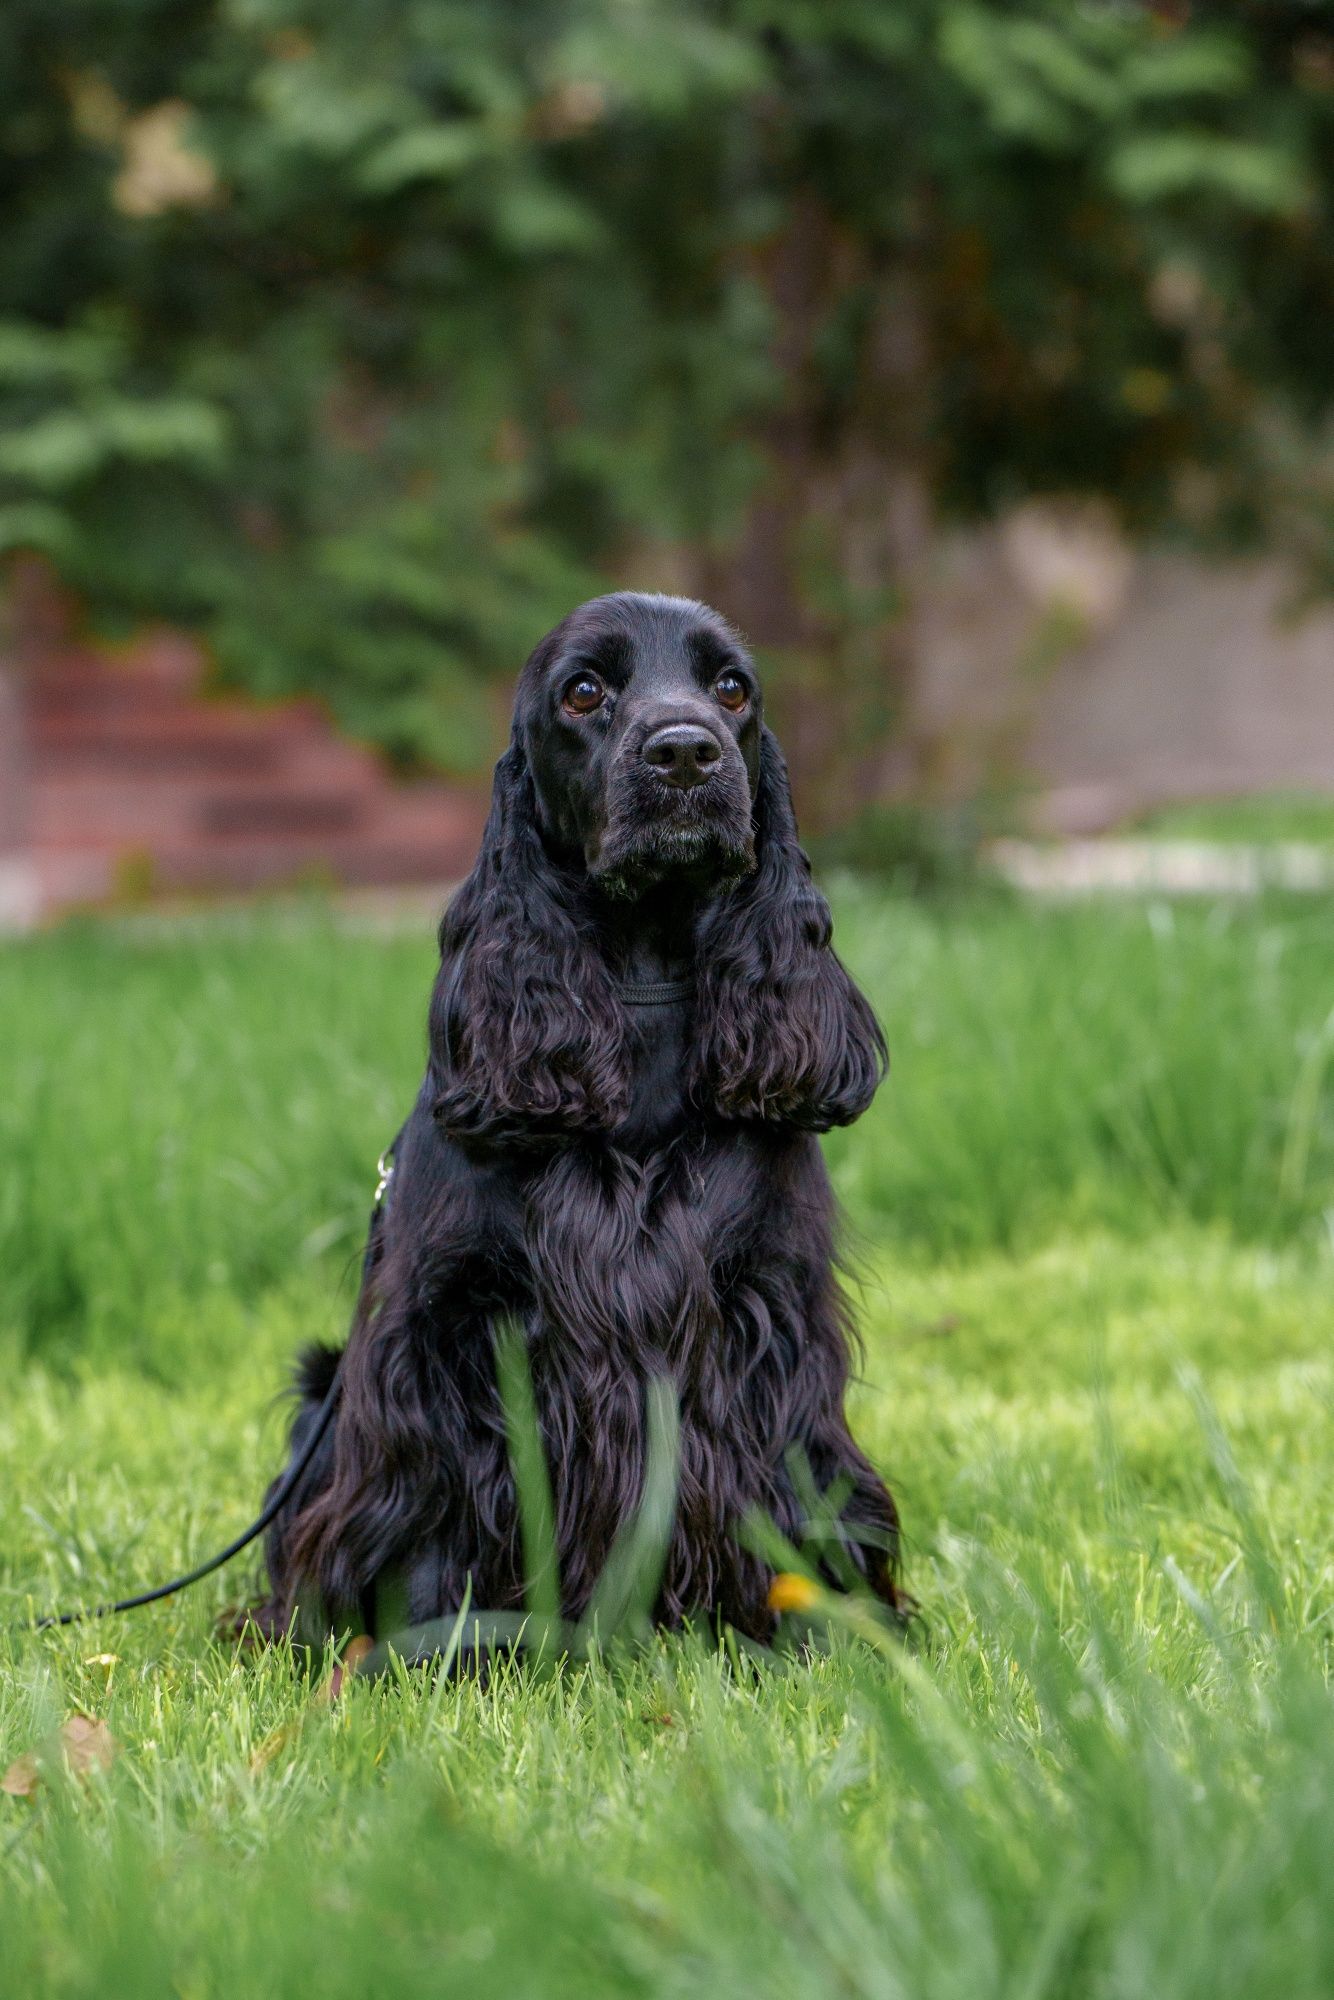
<point x="190" y="1115"/>
<point x="1258" y="817"/>
<point x="1095" y="1282"/>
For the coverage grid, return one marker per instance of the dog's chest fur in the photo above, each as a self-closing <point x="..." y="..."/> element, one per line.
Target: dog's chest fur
<point x="658" y="1110"/>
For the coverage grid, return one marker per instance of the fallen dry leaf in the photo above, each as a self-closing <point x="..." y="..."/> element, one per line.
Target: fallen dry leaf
<point x="277" y="1739"/>
<point x="21" y="1779"/>
<point x="325" y="1695"/>
<point x="355" y="1653"/>
<point x="88" y="1745"/>
<point x="85" y="1745"/>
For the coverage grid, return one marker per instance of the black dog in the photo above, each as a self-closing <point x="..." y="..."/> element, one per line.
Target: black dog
<point x="637" y="1030"/>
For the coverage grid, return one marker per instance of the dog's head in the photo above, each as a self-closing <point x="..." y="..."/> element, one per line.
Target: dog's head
<point x="639" y="757"/>
<point x="640" y="720"/>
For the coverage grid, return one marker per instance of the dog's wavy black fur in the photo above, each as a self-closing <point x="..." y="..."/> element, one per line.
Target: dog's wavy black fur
<point x="638" y="1028"/>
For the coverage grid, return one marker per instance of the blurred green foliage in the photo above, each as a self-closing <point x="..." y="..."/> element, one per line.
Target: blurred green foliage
<point x="367" y="337"/>
<point x="917" y="849"/>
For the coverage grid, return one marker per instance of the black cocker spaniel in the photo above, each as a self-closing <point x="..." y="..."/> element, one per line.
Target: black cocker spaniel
<point x="638" y="1028"/>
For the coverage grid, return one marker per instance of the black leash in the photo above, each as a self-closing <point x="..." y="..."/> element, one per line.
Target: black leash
<point x="278" y="1499"/>
<point x="286" y="1486"/>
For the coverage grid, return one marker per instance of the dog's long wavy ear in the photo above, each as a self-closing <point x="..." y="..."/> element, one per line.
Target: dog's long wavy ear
<point x="527" y="1035"/>
<point x="782" y="1034"/>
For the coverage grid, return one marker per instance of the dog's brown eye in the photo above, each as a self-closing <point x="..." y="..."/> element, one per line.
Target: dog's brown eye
<point x="583" y="694"/>
<point x="731" y="690"/>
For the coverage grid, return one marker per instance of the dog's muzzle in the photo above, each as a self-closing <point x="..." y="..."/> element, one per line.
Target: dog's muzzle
<point x="684" y="754"/>
<point x="681" y="800"/>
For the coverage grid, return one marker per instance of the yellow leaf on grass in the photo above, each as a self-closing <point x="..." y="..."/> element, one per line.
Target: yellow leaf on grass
<point x="277" y="1739"/>
<point x="85" y="1745"/>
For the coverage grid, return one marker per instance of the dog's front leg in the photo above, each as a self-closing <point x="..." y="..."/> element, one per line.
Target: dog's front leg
<point x="418" y="1503"/>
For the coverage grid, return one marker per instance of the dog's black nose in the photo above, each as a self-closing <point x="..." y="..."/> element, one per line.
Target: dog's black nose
<point x="684" y="753"/>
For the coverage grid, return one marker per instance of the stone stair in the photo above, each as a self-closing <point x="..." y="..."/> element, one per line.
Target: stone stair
<point x="131" y="782"/>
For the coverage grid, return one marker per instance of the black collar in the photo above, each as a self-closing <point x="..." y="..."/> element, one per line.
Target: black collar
<point x="654" y="992"/>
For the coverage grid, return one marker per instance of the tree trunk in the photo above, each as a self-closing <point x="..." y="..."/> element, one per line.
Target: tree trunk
<point x="826" y="575"/>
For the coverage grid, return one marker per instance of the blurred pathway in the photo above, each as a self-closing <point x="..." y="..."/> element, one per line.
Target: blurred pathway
<point x="1163" y="867"/>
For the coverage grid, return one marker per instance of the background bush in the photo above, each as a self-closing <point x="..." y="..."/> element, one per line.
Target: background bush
<point x="366" y="338"/>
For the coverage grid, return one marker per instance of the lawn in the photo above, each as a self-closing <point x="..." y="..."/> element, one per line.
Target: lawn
<point x="1092" y="1218"/>
<point x="1258" y="817"/>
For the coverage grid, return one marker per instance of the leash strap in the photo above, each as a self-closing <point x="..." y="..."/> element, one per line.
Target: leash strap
<point x="287" y="1485"/>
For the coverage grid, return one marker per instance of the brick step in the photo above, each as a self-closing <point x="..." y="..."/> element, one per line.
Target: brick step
<point x="321" y="785"/>
<point x="116" y="817"/>
<point x="80" y="876"/>
<point x="313" y="763"/>
<point x="418" y="817"/>
<point x="93" y="691"/>
<point x="182" y="739"/>
<point x="137" y="782"/>
<point x="352" y="863"/>
<point x="161" y="665"/>
<point x="428" y="810"/>
<point x="281" y="815"/>
<point x="118" y="820"/>
<point x="429" y="838"/>
<point x="84" y="682"/>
